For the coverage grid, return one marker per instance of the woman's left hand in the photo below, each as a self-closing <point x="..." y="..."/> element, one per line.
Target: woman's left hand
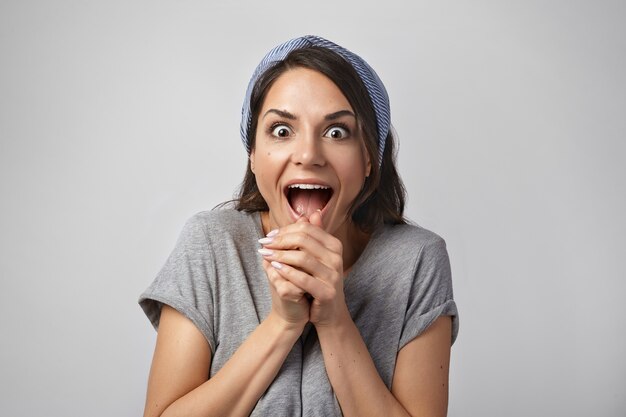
<point x="312" y="259"/>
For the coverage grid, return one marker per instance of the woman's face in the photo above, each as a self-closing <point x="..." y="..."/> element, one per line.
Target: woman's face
<point x="309" y="153"/>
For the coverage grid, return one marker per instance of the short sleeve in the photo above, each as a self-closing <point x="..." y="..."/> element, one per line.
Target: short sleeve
<point x="183" y="282"/>
<point x="431" y="292"/>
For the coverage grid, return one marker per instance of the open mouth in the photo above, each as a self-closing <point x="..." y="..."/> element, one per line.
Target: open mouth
<point x="307" y="198"/>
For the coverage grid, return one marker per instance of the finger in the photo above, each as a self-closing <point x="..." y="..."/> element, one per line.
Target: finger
<point x="299" y="235"/>
<point x="304" y="261"/>
<point x="316" y="218"/>
<point x="284" y="288"/>
<point x="317" y="288"/>
<point x="302" y="251"/>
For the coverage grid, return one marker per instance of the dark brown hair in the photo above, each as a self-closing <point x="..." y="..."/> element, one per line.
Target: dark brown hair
<point x="383" y="195"/>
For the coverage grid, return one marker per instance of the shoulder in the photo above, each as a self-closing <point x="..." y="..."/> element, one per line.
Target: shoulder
<point x="414" y="247"/>
<point x="404" y="250"/>
<point x="223" y="230"/>
<point x="222" y="222"/>
<point x="411" y="236"/>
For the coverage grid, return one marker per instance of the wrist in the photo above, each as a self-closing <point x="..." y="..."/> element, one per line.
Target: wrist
<point x="340" y="323"/>
<point x="282" y="325"/>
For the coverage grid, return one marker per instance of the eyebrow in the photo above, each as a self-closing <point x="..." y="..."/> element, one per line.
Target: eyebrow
<point x="290" y="116"/>
<point x="338" y="114"/>
<point x="281" y="113"/>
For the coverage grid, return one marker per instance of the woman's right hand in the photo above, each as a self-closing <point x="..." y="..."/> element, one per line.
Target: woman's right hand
<point x="289" y="302"/>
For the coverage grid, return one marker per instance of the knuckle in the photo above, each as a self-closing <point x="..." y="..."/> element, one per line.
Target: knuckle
<point x="301" y="237"/>
<point x="336" y="262"/>
<point x="336" y="245"/>
<point x="310" y="264"/>
<point x="299" y="258"/>
<point x="328" y="295"/>
<point x="282" y="291"/>
<point x="306" y="261"/>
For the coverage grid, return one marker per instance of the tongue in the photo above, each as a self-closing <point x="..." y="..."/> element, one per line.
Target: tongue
<point x="307" y="201"/>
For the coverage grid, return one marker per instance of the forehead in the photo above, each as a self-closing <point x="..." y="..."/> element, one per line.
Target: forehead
<point x="305" y="90"/>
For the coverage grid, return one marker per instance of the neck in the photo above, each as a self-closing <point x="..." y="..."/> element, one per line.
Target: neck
<point x="354" y="241"/>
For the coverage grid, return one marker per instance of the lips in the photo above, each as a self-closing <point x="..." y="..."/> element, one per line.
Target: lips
<point x="307" y="197"/>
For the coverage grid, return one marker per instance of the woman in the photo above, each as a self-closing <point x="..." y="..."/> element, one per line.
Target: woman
<point x="313" y="296"/>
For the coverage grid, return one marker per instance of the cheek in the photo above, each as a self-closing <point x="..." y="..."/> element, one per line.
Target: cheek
<point x="267" y="172"/>
<point x="353" y="171"/>
<point x="263" y="183"/>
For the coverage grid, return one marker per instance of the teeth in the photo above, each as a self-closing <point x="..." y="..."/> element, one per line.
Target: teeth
<point x="309" y="186"/>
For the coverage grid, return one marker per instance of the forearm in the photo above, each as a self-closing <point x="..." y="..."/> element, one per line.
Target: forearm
<point x="236" y="388"/>
<point x="352" y="373"/>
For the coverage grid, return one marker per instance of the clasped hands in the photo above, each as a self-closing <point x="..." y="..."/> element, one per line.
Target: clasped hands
<point x="304" y="265"/>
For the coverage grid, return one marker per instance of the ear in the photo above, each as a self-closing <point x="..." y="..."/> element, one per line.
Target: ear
<point x="368" y="162"/>
<point x="251" y="157"/>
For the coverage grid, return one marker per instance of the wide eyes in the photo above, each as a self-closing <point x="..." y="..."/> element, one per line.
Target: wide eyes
<point x="333" y="132"/>
<point x="337" y="132"/>
<point x="281" y="131"/>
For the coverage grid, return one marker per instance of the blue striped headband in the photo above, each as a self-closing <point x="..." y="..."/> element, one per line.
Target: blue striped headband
<point x="373" y="84"/>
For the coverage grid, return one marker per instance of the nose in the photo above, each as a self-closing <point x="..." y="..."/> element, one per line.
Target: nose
<point x="308" y="150"/>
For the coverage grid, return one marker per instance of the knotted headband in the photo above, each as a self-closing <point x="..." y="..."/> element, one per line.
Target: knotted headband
<point x="375" y="88"/>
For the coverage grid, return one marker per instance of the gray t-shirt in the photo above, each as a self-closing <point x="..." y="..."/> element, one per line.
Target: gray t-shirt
<point x="214" y="276"/>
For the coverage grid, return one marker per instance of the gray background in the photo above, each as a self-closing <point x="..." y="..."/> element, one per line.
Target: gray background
<point x="119" y="120"/>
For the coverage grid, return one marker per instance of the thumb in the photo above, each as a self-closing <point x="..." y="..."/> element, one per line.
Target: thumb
<point x="316" y="219"/>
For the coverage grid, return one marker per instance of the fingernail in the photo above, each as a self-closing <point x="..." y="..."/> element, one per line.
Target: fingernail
<point x="277" y="265"/>
<point x="266" y="240"/>
<point x="272" y="233"/>
<point x="265" y="252"/>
